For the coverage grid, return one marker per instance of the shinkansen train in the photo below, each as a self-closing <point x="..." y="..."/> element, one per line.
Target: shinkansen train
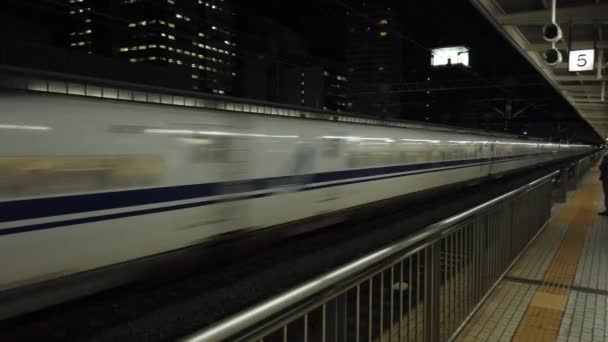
<point x="89" y="184"/>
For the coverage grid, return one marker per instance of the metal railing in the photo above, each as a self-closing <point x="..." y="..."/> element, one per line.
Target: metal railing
<point x="578" y="169"/>
<point x="422" y="288"/>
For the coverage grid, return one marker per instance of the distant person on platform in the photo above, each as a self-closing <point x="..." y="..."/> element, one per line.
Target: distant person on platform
<point x="604" y="179"/>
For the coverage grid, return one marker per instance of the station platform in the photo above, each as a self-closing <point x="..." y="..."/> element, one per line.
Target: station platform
<point x="558" y="289"/>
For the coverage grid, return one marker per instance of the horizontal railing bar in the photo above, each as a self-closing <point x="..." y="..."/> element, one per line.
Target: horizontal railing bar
<point x="255" y="316"/>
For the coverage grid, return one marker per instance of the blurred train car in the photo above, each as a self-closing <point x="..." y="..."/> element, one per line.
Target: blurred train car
<point x="87" y="183"/>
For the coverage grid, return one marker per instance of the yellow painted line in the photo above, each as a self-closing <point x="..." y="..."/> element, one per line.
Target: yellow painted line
<point x="551" y="301"/>
<point x="543" y="317"/>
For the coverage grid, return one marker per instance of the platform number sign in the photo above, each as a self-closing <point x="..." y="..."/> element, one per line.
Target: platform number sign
<point x="581" y="60"/>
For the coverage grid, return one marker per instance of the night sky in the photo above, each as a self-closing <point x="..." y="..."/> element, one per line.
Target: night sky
<point x="433" y="23"/>
<point x="430" y="23"/>
<point x="425" y="25"/>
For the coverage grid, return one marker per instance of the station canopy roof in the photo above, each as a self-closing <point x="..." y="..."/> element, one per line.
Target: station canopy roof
<point x="584" y="24"/>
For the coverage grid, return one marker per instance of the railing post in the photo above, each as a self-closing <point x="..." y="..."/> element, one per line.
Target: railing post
<point x="332" y="321"/>
<point x="562" y="186"/>
<point x="572" y="177"/>
<point x="432" y="272"/>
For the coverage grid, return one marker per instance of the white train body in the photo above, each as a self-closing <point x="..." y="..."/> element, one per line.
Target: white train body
<point x="90" y="183"/>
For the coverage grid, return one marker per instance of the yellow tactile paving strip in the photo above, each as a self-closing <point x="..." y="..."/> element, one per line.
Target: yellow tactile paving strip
<point x="542" y="319"/>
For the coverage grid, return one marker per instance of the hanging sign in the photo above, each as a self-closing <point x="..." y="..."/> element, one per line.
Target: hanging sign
<point x="581" y="60"/>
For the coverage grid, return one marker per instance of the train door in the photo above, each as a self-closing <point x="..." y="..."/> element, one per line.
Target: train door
<point x="332" y="158"/>
<point x="489" y="154"/>
<point x="225" y="155"/>
<point x="237" y="169"/>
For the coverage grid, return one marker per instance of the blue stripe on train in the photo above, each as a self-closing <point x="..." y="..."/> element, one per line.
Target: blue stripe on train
<point x="54" y="206"/>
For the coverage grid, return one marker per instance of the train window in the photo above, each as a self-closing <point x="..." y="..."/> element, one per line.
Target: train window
<point x="435" y="155"/>
<point x="368" y="159"/>
<point x="354" y="159"/>
<point x="331" y="148"/>
<point x="35" y="176"/>
<point x="426" y="156"/>
<point x="213" y="149"/>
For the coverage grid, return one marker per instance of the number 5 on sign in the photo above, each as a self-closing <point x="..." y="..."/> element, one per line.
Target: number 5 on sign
<point x="581" y="60"/>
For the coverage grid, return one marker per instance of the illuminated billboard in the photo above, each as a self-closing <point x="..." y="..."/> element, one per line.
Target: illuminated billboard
<point x="450" y="55"/>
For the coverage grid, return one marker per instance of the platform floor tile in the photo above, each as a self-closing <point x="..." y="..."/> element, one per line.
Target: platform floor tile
<point x="558" y="289"/>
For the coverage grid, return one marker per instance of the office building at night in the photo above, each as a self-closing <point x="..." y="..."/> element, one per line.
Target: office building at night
<point x="374" y="59"/>
<point x="87" y="29"/>
<point x="325" y="86"/>
<point x="278" y="67"/>
<point x="192" y="35"/>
